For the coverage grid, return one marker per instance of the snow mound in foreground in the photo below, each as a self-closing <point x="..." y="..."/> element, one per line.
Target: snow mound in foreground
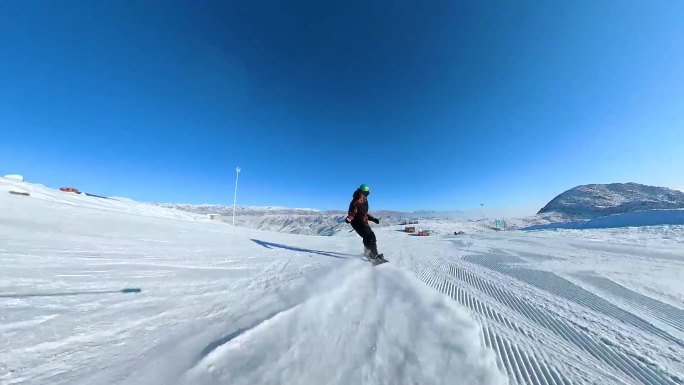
<point x="376" y="326"/>
<point x="631" y="219"/>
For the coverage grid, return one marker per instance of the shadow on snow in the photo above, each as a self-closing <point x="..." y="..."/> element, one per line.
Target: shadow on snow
<point x="271" y="245"/>
<point x="227" y="338"/>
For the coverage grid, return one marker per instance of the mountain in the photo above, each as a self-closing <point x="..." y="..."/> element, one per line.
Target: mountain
<point x="598" y="200"/>
<point x="282" y="219"/>
<point x="239" y="210"/>
<point x="298" y="220"/>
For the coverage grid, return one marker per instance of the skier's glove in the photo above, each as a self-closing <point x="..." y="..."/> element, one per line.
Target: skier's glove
<point x="376" y="220"/>
<point x="347" y="221"/>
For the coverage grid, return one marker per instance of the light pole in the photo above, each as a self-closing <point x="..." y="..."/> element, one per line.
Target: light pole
<point x="237" y="175"/>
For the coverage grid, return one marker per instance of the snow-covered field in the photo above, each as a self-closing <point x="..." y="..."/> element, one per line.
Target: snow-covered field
<point x="223" y="304"/>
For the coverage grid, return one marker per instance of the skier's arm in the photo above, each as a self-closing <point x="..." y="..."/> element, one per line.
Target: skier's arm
<point x="353" y="208"/>
<point x="373" y="219"/>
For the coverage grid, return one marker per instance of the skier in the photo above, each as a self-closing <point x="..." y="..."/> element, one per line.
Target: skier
<point x="358" y="217"/>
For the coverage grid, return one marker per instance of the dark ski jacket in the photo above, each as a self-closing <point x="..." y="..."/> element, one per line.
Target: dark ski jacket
<point x="358" y="209"/>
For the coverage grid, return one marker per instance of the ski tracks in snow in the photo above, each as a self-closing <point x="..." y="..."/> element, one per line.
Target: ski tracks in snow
<point x="537" y="344"/>
<point x="666" y="313"/>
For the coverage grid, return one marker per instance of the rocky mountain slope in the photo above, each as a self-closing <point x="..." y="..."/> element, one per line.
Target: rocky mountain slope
<point x="598" y="200"/>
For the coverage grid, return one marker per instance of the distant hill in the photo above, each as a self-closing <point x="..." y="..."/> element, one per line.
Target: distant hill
<point x="300" y="221"/>
<point x="286" y="220"/>
<point x="598" y="200"/>
<point x="239" y="210"/>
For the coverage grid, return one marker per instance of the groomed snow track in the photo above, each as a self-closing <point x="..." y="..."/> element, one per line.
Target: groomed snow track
<point x="522" y="367"/>
<point x="561" y="287"/>
<point x="538" y="346"/>
<point x="668" y="314"/>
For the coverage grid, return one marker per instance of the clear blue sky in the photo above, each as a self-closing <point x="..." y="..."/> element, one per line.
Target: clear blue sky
<point x="435" y="104"/>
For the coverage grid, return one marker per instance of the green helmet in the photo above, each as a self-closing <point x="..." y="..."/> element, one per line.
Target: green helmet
<point x="364" y="188"/>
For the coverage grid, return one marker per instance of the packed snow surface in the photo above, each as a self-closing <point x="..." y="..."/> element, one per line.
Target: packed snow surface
<point x="223" y="304"/>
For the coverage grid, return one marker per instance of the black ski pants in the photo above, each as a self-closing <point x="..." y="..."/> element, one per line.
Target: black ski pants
<point x="363" y="229"/>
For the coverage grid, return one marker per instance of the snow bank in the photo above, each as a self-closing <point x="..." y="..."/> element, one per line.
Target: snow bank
<point x="83" y="201"/>
<point x="15" y="177"/>
<point x="631" y="219"/>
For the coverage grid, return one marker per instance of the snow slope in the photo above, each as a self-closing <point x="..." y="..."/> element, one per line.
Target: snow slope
<point x="218" y="304"/>
<point x="221" y="304"/>
<point x="42" y="193"/>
